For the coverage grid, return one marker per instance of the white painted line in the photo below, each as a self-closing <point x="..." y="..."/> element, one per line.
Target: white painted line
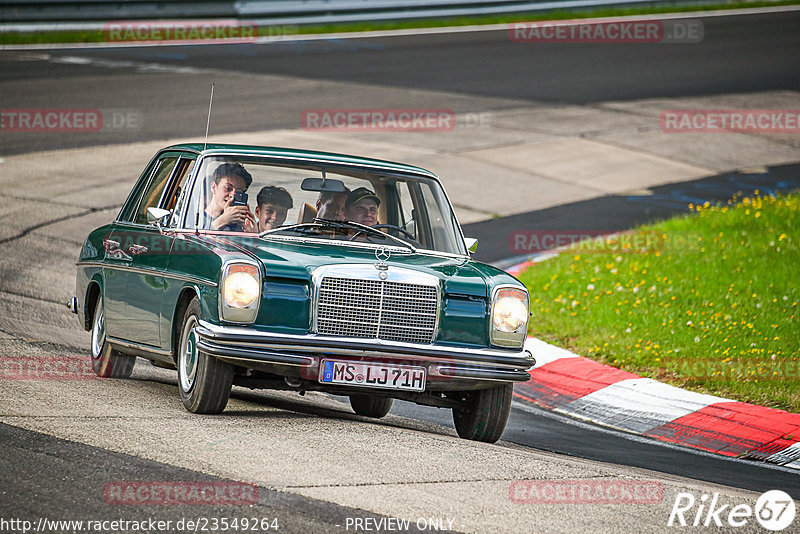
<point x="793" y="465"/>
<point x="790" y="454"/>
<point x="545" y="352"/>
<point x="638" y="404"/>
<point x="4" y="28"/>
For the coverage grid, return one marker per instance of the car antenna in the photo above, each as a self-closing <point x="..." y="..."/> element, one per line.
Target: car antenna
<point x="208" y="121"/>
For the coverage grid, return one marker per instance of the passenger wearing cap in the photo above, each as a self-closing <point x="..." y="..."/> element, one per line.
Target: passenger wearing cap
<point x="273" y="204"/>
<point x="361" y="206"/>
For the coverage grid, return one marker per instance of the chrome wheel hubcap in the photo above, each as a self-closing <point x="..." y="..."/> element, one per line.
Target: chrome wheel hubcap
<point x="188" y="355"/>
<point x="98" y="332"/>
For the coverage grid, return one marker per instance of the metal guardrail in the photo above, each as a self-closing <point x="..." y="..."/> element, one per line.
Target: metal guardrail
<point x="19" y="15"/>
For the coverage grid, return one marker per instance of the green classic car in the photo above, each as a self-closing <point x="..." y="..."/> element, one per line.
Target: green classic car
<point x="307" y="271"/>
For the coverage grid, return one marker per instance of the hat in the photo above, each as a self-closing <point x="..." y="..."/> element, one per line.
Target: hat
<point x="360" y="194"/>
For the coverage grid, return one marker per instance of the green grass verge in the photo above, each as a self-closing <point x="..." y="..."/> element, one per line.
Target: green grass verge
<point x="710" y="305"/>
<point x="19" y="38"/>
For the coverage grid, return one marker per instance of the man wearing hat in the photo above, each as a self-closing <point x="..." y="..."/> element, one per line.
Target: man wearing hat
<point x="361" y="206"/>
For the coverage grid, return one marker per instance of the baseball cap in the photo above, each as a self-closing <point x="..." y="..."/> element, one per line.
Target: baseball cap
<point x="360" y="194"/>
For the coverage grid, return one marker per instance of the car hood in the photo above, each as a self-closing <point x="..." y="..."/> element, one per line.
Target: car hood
<point x="298" y="260"/>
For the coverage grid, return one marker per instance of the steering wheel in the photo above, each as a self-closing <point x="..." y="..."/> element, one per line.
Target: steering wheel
<point x="395" y="227"/>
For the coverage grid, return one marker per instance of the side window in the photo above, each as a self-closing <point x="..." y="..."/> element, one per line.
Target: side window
<point x="152" y="194"/>
<point x="438" y="226"/>
<point x="175" y="197"/>
<point x="406" y="209"/>
<point x="129" y="208"/>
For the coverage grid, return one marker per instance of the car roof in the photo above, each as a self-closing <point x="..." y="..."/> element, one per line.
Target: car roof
<point x="300" y="155"/>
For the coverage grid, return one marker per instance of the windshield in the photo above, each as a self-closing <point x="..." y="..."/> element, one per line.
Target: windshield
<point x="251" y="196"/>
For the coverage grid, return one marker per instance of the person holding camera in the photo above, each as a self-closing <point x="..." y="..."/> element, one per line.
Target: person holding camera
<point x="228" y="210"/>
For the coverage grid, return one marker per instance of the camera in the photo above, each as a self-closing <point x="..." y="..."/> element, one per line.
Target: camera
<point x="239" y="198"/>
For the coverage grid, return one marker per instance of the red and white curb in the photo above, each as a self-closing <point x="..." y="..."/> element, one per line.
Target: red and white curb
<point x="579" y="387"/>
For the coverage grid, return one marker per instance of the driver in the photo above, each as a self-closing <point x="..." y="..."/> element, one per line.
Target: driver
<point x="361" y="206"/>
<point x="331" y="205"/>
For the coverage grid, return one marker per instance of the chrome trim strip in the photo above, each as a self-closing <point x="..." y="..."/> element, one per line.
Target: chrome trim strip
<point x="138" y="346"/>
<point x="90" y="263"/>
<point x="245" y="337"/>
<point x="145" y="270"/>
<point x="312" y="160"/>
<point x="500" y="375"/>
<point x="239" y="354"/>
<point x="259" y="356"/>
<point x="189" y="278"/>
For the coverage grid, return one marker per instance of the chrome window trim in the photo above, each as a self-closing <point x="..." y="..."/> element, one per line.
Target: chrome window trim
<point x="192" y="180"/>
<point x="312" y="160"/>
<point x="361" y="271"/>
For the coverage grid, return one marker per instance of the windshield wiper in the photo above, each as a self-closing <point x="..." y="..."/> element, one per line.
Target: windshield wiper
<point x="343" y="225"/>
<point x="288" y="228"/>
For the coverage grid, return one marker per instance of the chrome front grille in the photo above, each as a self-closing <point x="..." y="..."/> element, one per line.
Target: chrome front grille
<point x="382" y="309"/>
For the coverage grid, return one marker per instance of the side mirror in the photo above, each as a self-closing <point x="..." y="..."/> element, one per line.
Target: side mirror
<point x="472" y="244"/>
<point x="158" y="217"/>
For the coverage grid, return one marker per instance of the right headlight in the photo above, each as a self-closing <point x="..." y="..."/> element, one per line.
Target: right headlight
<point x="509" y="317"/>
<point x="240" y="292"/>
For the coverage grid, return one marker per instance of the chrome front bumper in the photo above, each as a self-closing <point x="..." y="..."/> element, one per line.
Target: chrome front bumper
<point x="243" y="345"/>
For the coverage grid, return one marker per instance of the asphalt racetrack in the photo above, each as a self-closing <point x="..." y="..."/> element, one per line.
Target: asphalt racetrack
<point x="317" y="465"/>
<point x="465" y="72"/>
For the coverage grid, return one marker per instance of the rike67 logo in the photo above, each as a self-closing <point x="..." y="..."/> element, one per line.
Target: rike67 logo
<point x="774" y="510"/>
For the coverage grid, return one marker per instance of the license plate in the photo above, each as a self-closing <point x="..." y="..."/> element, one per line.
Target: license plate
<point x="373" y="375"/>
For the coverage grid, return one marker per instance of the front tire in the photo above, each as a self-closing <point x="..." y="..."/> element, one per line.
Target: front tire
<point x="485" y="414"/>
<point x="204" y="382"/>
<point x="368" y="406"/>
<point x="107" y="362"/>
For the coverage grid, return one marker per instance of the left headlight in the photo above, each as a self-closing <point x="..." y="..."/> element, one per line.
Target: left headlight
<point x="240" y="292"/>
<point x="510" y="311"/>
